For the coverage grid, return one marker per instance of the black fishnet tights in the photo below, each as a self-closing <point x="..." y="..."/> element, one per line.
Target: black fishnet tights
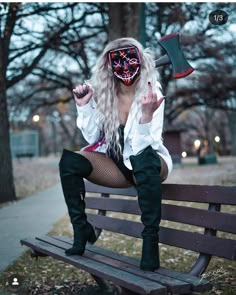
<point x="105" y="172"/>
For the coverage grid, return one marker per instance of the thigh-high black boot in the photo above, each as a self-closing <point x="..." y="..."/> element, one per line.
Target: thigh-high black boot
<point x="73" y="167"/>
<point x="146" y="169"/>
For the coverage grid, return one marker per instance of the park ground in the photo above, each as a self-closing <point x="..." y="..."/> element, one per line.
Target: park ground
<point x="33" y="175"/>
<point x="50" y="277"/>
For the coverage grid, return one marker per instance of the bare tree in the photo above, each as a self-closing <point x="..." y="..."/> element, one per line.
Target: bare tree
<point x="7" y="190"/>
<point x="124" y="20"/>
<point x="35" y="37"/>
<point x="208" y="47"/>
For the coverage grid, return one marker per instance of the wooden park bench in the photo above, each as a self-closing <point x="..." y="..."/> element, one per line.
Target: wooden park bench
<point x="123" y="272"/>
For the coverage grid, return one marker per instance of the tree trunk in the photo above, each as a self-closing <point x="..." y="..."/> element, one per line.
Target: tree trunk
<point x="7" y="189"/>
<point x="232" y="128"/>
<point x="124" y="20"/>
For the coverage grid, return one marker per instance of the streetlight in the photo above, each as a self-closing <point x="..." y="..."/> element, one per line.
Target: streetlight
<point x="217" y="139"/>
<point x="54" y="118"/>
<point x="184" y="154"/>
<point x="197" y="144"/>
<point x="36" y="118"/>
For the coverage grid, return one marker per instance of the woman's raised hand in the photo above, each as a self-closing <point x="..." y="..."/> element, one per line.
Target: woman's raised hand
<point x="82" y="94"/>
<point x="150" y="103"/>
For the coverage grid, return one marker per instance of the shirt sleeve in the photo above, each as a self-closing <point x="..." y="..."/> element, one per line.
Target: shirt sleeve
<point x="87" y="121"/>
<point x="150" y="133"/>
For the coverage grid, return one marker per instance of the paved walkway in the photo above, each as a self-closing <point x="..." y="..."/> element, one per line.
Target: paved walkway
<point x="29" y="217"/>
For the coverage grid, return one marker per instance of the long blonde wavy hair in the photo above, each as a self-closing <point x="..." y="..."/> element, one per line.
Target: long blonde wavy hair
<point x="105" y="88"/>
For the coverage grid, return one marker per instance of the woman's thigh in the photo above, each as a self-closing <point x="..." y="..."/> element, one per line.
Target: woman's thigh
<point x="105" y="172"/>
<point x="164" y="170"/>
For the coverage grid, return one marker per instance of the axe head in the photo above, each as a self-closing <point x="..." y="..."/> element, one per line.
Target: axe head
<point x="171" y="45"/>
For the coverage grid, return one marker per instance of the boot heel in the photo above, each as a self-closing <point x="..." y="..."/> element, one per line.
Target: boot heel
<point x="91" y="234"/>
<point x="92" y="238"/>
<point x="150" y="260"/>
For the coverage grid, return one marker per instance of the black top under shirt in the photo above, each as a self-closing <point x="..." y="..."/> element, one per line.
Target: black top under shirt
<point x="118" y="159"/>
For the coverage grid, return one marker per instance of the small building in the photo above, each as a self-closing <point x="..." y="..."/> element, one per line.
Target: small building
<point x="172" y="141"/>
<point x="24" y="143"/>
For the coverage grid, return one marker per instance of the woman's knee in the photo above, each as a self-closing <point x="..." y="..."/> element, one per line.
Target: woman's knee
<point x="74" y="163"/>
<point x="150" y="162"/>
<point x="66" y="159"/>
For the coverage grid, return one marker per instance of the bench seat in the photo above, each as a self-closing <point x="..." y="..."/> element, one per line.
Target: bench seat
<point x="122" y="270"/>
<point x="195" y="208"/>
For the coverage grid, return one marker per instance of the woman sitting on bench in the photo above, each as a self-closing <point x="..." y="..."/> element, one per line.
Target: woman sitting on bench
<point x="120" y="113"/>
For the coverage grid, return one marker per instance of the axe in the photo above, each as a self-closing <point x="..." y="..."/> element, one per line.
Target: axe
<point x="171" y="45"/>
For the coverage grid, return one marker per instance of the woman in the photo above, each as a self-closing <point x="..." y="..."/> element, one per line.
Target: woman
<point x="120" y="113"/>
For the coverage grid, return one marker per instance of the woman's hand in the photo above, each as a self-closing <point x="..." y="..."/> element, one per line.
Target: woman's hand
<point x="150" y="103"/>
<point x="82" y="94"/>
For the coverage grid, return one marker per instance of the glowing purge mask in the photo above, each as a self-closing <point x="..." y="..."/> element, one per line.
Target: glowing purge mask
<point x="125" y="63"/>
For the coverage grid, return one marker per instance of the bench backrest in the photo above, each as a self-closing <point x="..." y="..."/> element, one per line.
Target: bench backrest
<point x="210" y="218"/>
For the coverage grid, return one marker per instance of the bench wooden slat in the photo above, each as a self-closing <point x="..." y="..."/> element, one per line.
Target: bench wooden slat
<point x="220" y="247"/>
<point x="173" y="285"/>
<point x="91" y="187"/>
<point x="179" y="192"/>
<point x="193" y="216"/>
<point x="200" y="217"/>
<point x="115" y="205"/>
<point x="200" y="193"/>
<point x="120" y="277"/>
<point x="197" y="284"/>
<point x="211" y="245"/>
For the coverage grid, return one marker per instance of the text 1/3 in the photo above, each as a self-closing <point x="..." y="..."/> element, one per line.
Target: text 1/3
<point x="218" y="17"/>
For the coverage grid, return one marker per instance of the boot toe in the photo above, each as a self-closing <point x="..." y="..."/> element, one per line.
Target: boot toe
<point x="74" y="251"/>
<point x="150" y="267"/>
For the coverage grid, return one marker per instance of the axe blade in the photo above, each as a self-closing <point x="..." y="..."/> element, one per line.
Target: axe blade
<point x="171" y="45"/>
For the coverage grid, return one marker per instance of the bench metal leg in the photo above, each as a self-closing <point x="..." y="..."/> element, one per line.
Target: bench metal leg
<point x="204" y="259"/>
<point x="125" y="291"/>
<point x="112" y="289"/>
<point x="36" y="254"/>
<point x="117" y="290"/>
<point x="98" y="231"/>
<point x="103" y="284"/>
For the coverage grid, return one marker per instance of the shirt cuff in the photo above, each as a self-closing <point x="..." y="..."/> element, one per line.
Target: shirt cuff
<point x="86" y="109"/>
<point x="144" y="128"/>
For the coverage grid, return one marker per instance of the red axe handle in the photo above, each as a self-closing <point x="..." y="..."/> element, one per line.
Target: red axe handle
<point x="171" y="45"/>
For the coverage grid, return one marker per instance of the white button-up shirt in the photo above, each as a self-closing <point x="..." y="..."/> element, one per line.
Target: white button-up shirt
<point x="136" y="136"/>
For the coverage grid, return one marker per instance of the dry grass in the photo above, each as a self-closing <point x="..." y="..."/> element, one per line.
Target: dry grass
<point x="33" y="175"/>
